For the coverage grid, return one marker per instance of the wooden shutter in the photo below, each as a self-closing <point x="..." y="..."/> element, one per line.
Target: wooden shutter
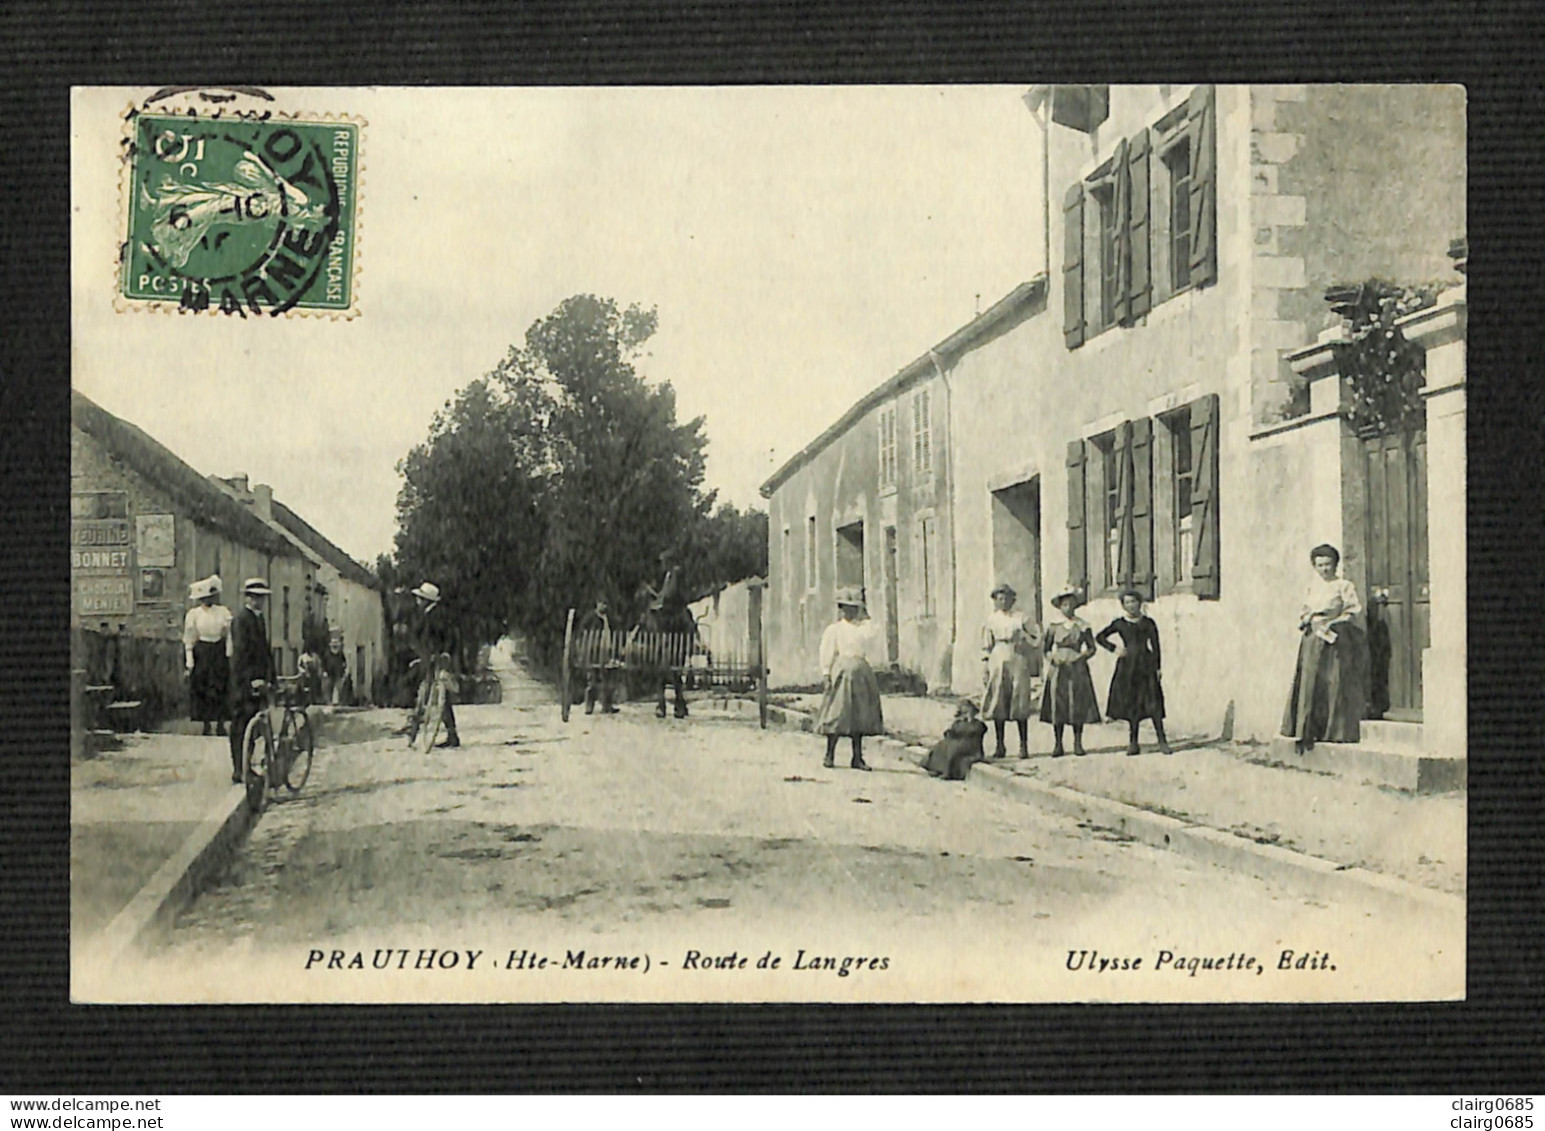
<point x="1142" y="507"/>
<point x="1204" y="187"/>
<point x="1121" y="198"/>
<point x="1073" y="265"/>
<point x="1078" y="544"/>
<point x="1140" y="286"/>
<point x="1204" y="496"/>
<point x="1124" y="548"/>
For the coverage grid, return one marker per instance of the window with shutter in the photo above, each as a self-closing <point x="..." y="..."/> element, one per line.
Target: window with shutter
<point x="1204" y="496"/>
<point x="1073" y="326"/>
<point x="1126" y="533"/>
<point x="1078" y="548"/>
<point x="1202" y="221"/>
<point x="1121" y="237"/>
<point x="1141" y="510"/>
<point x="887" y="422"/>
<point x="1177" y="168"/>
<point x="1139" y="288"/>
<point x="1112" y="511"/>
<point x="922" y="436"/>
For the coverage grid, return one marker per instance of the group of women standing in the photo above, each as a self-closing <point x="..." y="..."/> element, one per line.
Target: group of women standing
<point x="1012" y="644"/>
<point x="1326" y="701"/>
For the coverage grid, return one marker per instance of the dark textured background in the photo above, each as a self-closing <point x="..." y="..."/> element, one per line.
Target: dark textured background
<point x="1492" y="1042"/>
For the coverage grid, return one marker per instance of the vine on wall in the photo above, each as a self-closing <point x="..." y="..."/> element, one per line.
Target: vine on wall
<point x="1381" y="371"/>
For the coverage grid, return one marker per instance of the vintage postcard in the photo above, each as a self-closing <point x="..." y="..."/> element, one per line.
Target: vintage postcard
<point x="841" y="544"/>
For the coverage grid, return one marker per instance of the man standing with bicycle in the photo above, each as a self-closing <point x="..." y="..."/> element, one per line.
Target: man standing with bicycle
<point x="436" y="637"/>
<point x="252" y="664"/>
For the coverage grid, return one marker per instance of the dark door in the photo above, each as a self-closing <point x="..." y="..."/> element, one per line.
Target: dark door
<point x="1398" y="597"/>
<point x="892" y="630"/>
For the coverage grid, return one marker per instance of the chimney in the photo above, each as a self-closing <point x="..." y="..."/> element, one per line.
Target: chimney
<point x="239" y="483"/>
<point x="263" y="501"/>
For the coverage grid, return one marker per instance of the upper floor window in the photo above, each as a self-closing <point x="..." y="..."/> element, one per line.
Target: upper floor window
<point x="1177" y="165"/>
<point x="887" y="423"/>
<point x="1111" y="251"/>
<point x="1108" y="276"/>
<point x="922" y="436"/>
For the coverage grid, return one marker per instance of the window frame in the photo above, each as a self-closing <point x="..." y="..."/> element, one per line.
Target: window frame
<point x="1180" y="532"/>
<point x="1100" y="271"/>
<point x="888" y="447"/>
<point x="927" y="546"/>
<point x="922" y="436"/>
<point x="1102" y="488"/>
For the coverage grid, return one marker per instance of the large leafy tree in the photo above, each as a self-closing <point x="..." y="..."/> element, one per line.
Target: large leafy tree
<point x="559" y="478"/>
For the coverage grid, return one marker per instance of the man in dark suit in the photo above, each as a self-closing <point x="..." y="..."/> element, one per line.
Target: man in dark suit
<point x="252" y="661"/>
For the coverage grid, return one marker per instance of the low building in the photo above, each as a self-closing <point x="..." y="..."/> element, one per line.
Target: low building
<point x="866" y="505"/>
<point x="144" y="526"/>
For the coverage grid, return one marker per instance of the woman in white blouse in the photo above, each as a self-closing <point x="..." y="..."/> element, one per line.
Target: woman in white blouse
<point x="1010" y="643"/>
<point x="1329" y="692"/>
<point x="851" y="705"/>
<point x="206" y="646"/>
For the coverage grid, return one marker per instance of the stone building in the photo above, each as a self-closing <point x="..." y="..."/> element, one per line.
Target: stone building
<point x="866" y="504"/>
<point x="1149" y="413"/>
<point x="144" y="526"/>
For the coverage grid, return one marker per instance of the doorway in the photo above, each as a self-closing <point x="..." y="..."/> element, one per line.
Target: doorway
<point x="1016" y="542"/>
<point x="850" y="556"/>
<point x="892" y="624"/>
<point x="1398" y="596"/>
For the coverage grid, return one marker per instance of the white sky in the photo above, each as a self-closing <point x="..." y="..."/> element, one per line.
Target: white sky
<point x="801" y="244"/>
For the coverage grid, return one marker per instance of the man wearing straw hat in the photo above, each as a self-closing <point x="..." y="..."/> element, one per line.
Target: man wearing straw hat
<point x="436" y="638"/>
<point x="252" y="664"/>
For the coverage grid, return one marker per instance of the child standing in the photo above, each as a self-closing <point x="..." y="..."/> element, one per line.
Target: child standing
<point x="1135" y="691"/>
<point x="1069" y="693"/>
<point x="961" y="746"/>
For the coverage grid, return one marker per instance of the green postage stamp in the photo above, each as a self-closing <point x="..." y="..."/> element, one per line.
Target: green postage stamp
<point x="247" y="215"/>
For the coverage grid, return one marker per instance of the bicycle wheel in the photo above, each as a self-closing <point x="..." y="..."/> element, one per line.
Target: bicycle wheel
<point x="303" y="750"/>
<point x="257" y="755"/>
<point x="434" y="707"/>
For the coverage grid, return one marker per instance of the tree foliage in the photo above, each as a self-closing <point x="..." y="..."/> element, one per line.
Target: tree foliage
<point x="558" y="478"/>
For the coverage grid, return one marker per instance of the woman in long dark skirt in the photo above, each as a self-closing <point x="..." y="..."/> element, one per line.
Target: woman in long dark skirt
<point x="1068" y="695"/>
<point x="206" y="641"/>
<point x="1329" y="691"/>
<point x="1135" y="691"/>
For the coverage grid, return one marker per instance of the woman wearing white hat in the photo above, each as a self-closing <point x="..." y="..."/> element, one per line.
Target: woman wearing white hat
<point x="1009" y="640"/>
<point x="1068" y="696"/>
<point x="851" y="705"/>
<point x="206" y="647"/>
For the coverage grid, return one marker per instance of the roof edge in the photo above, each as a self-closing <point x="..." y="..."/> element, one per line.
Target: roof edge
<point x="951" y="348"/>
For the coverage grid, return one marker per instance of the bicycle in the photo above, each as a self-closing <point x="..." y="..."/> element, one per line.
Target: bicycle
<point x="270" y="759"/>
<point x="431" y="702"/>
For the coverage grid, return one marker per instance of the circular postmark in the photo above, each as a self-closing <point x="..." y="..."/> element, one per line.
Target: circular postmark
<point x="241" y="215"/>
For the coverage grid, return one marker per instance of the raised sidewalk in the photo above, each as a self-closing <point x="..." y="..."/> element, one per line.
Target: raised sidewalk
<point x="1221" y="801"/>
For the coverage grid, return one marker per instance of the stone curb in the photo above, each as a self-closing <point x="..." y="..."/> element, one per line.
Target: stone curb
<point x="148" y="917"/>
<point x="1321" y="877"/>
